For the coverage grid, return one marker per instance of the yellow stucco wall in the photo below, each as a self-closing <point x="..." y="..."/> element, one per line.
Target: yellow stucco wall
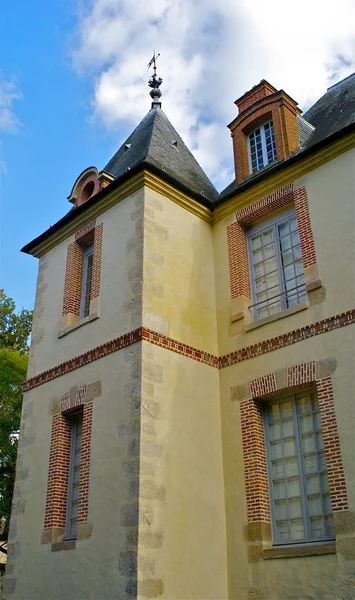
<point x="120" y="289"/>
<point x="331" y="193"/>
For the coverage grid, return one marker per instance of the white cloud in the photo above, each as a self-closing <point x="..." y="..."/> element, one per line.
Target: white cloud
<point x="211" y="53"/>
<point x="8" y="94"/>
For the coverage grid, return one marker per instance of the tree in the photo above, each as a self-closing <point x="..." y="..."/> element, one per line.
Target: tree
<point x="14" y="328"/>
<point x="14" y="333"/>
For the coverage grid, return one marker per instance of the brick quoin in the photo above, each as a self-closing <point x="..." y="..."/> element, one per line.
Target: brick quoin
<point x="87" y="235"/>
<point x="237" y="241"/>
<point x="253" y="439"/>
<point x="83" y="506"/>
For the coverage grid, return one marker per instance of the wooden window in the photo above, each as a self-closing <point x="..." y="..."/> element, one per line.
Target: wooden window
<point x="74" y="477"/>
<point x="261" y="147"/>
<point x="87" y="281"/>
<point x="300" y="499"/>
<point x="276" y="265"/>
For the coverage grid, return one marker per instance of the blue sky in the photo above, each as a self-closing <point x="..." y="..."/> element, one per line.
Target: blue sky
<point x="73" y="84"/>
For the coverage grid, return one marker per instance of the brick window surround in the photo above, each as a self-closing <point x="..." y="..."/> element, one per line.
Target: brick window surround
<point x="239" y="270"/>
<point x="294" y="378"/>
<point x="84" y="237"/>
<point x="59" y="465"/>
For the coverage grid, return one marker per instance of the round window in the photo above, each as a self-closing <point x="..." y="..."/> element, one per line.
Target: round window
<point x="87" y="191"/>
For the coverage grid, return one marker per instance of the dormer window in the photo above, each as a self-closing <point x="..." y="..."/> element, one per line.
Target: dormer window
<point x="261" y="147"/>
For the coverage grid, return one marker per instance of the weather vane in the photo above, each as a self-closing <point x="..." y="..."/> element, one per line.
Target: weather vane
<point x="155" y="82"/>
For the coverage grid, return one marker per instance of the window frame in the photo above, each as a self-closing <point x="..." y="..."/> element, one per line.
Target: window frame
<point x="76" y="417"/>
<point x="273" y="222"/>
<point x="263" y="147"/>
<point x="88" y="253"/>
<point x="307" y="539"/>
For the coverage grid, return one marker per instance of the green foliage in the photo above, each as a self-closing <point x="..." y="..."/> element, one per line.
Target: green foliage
<point x="15" y="327"/>
<point x="14" y="333"/>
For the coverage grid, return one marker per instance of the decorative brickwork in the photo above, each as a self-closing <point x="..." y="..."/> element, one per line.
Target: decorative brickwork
<point x="301" y="374"/>
<point x="259" y="105"/>
<point x="59" y="462"/>
<point x="263" y="385"/>
<point x="304" y="227"/>
<point x="336" y="477"/>
<point x="85" y="236"/>
<point x="88" y="186"/>
<point x="85" y="463"/>
<point x="254" y="451"/>
<point x="238" y="259"/>
<point x="255" y="464"/>
<point x="264" y="347"/>
<point x="58" y="474"/>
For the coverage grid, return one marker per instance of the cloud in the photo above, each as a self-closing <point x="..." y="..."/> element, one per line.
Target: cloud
<point x="8" y="94"/>
<point x="211" y="53"/>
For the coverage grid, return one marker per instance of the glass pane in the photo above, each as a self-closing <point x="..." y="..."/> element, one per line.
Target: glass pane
<point x="259" y="270"/>
<point x="282" y="531"/>
<point x="279" y="490"/>
<point x="76" y="477"/>
<point x="293" y="224"/>
<point x="293" y="487"/>
<point x="285" y="243"/>
<point x="322" y="463"/>
<point x="281" y="509"/>
<point x="310" y="463"/>
<point x="312" y="484"/>
<point x="256" y="242"/>
<point x="308" y="444"/>
<point x="317" y="421"/>
<point x="319" y="438"/>
<point x="74" y="509"/>
<point x="287" y="257"/>
<point x="284" y="229"/>
<point x="286" y="409"/>
<point x="299" y="268"/>
<point x="295" y="508"/>
<point x="324" y="482"/>
<point x="314" y="506"/>
<point x="267" y="237"/>
<point x="327" y="504"/>
<point x="263" y="313"/>
<point x="260" y="286"/>
<point x="306" y="424"/>
<point x="269" y="251"/>
<point x="287" y="428"/>
<point x="295" y="238"/>
<point x="329" y="525"/>
<point x="289" y="272"/>
<point x="75" y="495"/>
<point x="317" y="527"/>
<point x="297" y="529"/>
<point x="303" y="404"/>
<point x="270" y="265"/>
<point x="272" y="280"/>
<point x="274" y="412"/>
<point x="291" y="467"/>
<point x="297" y="253"/>
<point x="289" y="447"/>
<point x="257" y="257"/>
<point x="276" y="450"/>
<point x="314" y="401"/>
<point x="275" y="431"/>
<point x="278" y="469"/>
<point x="77" y="456"/>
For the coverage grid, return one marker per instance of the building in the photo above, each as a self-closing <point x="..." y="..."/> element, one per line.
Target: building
<point x="188" y="416"/>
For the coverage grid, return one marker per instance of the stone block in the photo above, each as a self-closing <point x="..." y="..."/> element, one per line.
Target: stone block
<point x="128" y="563"/>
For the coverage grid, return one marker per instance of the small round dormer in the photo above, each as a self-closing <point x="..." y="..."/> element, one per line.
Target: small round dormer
<point x="86" y="186"/>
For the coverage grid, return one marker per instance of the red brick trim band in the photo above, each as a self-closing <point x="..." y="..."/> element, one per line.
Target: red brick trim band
<point x="253" y="440"/>
<point x="142" y="333"/>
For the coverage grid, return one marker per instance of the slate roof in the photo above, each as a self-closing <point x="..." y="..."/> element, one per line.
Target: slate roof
<point x="156" y="142"/>
<point x="332" y="113"/>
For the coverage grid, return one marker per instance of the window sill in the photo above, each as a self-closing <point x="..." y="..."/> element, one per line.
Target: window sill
<point x="300" y="550"/>
<point x="65" y="330"/>
<point x="67" y="545"/>
<point x="281" y="315"/>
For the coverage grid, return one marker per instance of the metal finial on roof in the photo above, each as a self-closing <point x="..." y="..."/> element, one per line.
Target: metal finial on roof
<point x="155" y="83"/>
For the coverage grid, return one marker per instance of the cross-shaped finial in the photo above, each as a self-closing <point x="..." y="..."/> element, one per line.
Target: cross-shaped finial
<point x="155" y="82"/>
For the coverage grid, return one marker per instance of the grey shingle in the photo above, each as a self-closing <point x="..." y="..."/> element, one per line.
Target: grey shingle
<point x="155" y="141"/>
